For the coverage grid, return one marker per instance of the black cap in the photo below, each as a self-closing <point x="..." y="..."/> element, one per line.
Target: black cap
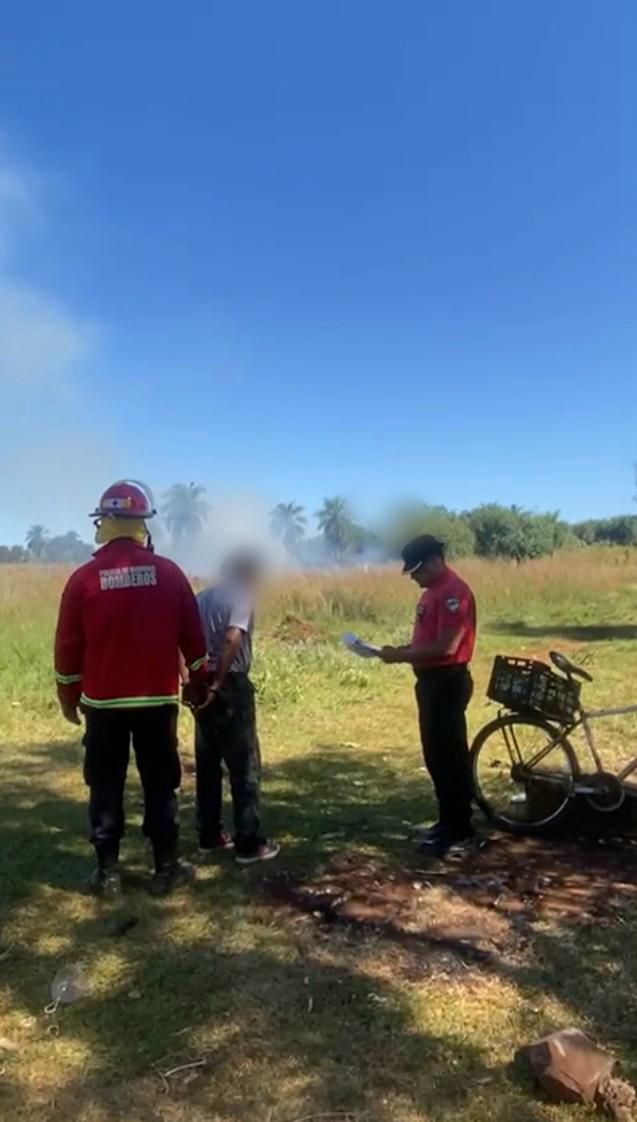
<point x="420" y="549"/>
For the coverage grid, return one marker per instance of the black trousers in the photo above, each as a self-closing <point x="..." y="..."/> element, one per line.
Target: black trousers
<point x="226" y="732"/>
<point x="443" y="695"/>
<point x="153" y="731"/>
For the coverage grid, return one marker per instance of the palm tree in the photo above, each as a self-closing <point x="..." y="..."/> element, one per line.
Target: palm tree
<point x="288" y="522"/>
<point x="185" y="509"/>
<point x="66" y="549"/>
<point x="335" y="524"/>
<point x="36" y="540"/>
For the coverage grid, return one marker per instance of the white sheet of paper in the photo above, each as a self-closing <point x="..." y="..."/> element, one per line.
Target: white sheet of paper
<point x="359" y="646"/>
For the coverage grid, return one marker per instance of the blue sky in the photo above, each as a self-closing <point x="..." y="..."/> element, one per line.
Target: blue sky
<point x="296" y="249"/>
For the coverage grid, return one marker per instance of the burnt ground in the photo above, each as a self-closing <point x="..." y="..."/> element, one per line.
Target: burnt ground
<point x="477" y="910"/>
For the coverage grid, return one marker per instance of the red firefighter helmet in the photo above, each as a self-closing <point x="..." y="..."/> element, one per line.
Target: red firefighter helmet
<point x="128" y="498"/>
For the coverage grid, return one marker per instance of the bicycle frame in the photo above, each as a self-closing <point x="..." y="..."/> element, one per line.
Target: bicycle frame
<point x="584" y="719"/>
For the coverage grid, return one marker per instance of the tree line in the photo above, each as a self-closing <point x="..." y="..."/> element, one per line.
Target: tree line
<point x="490" y="530"/>
<point x="40" y="546"/>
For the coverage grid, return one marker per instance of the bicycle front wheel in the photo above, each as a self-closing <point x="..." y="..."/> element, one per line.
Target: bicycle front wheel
<point x="522" y="774"/>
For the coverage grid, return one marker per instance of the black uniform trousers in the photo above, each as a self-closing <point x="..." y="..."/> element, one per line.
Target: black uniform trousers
<point x="153" y="731"/>
<point x="443" y="694"/>
<point x="226" y="732"/>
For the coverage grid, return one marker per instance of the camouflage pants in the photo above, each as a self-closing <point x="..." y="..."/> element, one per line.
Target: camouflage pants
<point x="226" y="733"/>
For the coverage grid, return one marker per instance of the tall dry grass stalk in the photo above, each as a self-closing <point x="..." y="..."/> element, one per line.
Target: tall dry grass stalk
<point x="561" y="583"/>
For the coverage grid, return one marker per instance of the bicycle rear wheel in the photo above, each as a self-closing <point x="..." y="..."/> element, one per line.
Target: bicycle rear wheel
<point x="514" y="793"/>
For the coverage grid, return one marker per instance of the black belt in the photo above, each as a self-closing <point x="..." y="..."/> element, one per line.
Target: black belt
<point x="434" y="671"/>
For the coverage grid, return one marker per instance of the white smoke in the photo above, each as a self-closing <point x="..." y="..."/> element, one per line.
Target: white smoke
<point x="56" y="455"/>
<point x="233" y="522"/>
<point x="40" y="339"/>
<point x="47" y="469"/>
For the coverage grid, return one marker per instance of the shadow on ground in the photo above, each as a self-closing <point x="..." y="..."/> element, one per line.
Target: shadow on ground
<point x="325" y="799"/>
<point x="590" y="633"/>
<point x="294" y="1030"/>
<point x="283" y="1021"/>
<point x="41" y="829"/>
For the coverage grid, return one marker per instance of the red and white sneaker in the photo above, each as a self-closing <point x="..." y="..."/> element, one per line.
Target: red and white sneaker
<point x="222" y="841"/>
<point x="266" y="851"/>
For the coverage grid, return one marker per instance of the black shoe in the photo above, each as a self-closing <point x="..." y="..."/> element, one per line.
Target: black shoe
<point x="106" y="882"/>
<point x="448" y="843"/>
<point x="171" y="875"/>
<point x="426" y="834"/>
<point x="461" y="847"/>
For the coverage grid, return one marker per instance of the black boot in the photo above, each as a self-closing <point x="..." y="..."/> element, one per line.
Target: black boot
<point x="106" y="880"/>
<point x="170" y="873"/>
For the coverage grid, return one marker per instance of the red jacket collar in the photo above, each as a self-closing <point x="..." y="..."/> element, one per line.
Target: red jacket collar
<point x="121" y="546"/>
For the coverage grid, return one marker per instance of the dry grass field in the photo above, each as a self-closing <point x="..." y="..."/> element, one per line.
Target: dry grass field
<point x="241" y="1000"/>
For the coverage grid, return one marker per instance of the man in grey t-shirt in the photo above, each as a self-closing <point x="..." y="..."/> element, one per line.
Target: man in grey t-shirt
<point x="229" y="606"/>
<point x="226" y="727"/>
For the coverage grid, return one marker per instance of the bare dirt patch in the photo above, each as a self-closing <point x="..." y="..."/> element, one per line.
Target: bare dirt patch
<point x="478" y="909"/>
<point x="576" y="880"/>
<point x="293" y="629"/>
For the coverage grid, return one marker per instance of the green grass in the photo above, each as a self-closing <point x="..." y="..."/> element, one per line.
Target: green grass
<point x="293" y="1019"/>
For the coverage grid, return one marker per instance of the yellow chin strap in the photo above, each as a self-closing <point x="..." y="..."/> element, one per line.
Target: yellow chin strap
<point x="109" y="529"/>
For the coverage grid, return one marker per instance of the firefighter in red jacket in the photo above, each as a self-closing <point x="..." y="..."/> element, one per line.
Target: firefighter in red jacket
<point x="124" y="617"/>
<point x="440" y="653"/>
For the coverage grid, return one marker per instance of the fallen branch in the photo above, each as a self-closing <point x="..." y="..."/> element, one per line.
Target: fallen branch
<point x="183" y="1067"/>
<point x="163" y="1079"/>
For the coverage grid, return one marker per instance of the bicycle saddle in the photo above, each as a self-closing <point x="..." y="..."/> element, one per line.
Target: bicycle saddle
<point x="567" y="667"/>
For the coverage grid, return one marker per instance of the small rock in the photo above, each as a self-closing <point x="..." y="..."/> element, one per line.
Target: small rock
<point x="495" y="884"/>
<point x="121" y="925"/>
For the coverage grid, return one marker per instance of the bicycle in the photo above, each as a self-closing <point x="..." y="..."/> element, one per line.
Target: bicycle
<point x="526" y="772"/>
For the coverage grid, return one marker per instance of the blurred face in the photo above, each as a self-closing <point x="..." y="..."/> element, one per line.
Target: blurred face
<point x="248" y="574"/>
<point x="427" y="571"/>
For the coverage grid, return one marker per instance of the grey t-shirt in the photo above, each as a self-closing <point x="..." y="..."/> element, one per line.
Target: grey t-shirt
<point x="225" y="605"/>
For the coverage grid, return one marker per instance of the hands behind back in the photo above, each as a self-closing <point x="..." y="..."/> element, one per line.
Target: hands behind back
<point x="197" y="695"/>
